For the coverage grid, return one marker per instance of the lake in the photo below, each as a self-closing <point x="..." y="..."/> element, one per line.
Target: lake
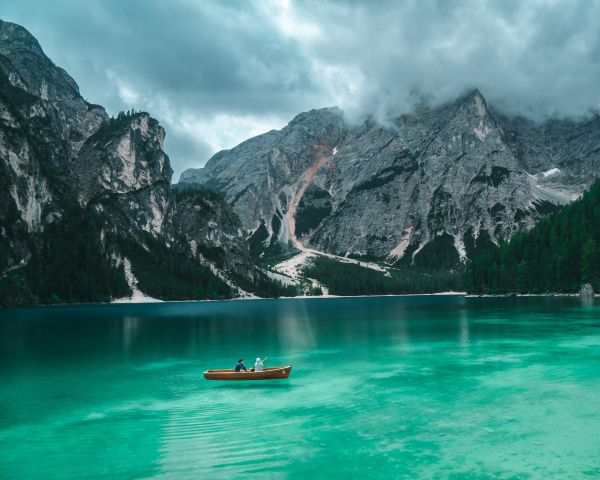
<point x="381" y="387"/>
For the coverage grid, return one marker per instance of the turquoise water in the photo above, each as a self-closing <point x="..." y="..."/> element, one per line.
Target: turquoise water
<point x="416" y="387"/>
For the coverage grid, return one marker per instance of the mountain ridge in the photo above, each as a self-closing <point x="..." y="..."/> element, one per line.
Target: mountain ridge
<point x="459" y="177"/>
<point x="88" y="211"/>
<point x="73" y="178"/>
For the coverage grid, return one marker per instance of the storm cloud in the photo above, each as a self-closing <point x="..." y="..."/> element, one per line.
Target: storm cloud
<point x="216" y="73"/>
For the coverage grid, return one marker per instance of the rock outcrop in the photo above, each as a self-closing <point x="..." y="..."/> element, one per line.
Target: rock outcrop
<point x="123" y="167"/>
<point x="205" y="226"/>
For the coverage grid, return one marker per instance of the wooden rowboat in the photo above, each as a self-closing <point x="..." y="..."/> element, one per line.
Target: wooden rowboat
<point x="273" y="373"/>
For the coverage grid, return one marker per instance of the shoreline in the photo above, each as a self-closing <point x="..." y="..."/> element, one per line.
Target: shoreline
<point x="303" y="297"/>
<point x="143" y="300"/>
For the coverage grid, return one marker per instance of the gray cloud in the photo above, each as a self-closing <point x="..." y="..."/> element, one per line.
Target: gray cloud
<point x="215" y="73"/>
<point x="537" y="57"/>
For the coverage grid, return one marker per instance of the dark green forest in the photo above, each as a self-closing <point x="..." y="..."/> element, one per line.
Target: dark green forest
<point x="67" y="265"/>
<point x="559" y="254"/>
<point x="352" y="279"/>
<point x="265" y="287"/>
<point x="168" y="275"/>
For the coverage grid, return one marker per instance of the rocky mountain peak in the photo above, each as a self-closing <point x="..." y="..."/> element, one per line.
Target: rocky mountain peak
<point x="275" y="162"/>
<point x="123" y="156"/>
<point x="473" y="105"/>
<point x="317" y="116"/>
<point x="322" y="127"/>
<point x="475" y="99"/>
<point x="73" y="178"/>
<point x="443" y="184"/>
<point x="31" y="70"/>
<point x="15" y="38"/>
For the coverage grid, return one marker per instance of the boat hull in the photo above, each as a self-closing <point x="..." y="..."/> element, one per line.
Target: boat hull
<point x="273" y="373"/>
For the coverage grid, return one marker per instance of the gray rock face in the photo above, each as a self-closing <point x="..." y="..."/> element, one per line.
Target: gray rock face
<point x="54" y="98"/>
<point x="259" y="177"/>
<point x="43" y="122"/>
<point x="57" y="150"/>
<point x="203" y="224"/>
<point x="124" y="161"/>
<point x="431" y="190"/>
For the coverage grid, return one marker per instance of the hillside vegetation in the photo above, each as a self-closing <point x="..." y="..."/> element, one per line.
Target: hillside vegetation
<point x="352" y="279"/>
<point x="559" y="254"/>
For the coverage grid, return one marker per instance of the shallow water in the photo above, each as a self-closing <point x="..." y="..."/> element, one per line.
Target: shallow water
<point x="414" y="387"/>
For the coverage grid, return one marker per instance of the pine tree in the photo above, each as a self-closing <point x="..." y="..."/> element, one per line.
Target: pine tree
<point x="557" y="255"/>
<point x="590" y="263"/>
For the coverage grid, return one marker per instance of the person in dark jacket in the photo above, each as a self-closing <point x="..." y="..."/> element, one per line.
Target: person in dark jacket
<point x="239" y="367"/>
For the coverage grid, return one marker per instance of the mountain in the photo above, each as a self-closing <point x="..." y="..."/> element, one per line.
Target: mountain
<point x="559" y="254"/>
<point x="430" y="190"/>
<point x="87" y="210"/>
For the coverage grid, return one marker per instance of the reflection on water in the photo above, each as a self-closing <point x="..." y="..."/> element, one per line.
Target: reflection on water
<point x="587" y="300"/>
<point x="412" y="387"/>
<point x="295" y="328"/>
<point x="130" y="330"/>
<point x="464" y="328"/>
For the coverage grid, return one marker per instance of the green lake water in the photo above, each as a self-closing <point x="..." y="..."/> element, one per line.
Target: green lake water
<point x="413" y="387"/>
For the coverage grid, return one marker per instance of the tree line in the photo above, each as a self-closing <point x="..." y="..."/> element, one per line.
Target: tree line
<point x="171" y="275"/>
<point x="559" y="254"/>
<point x="67" y="265"/>
<point x="351" y="279"/>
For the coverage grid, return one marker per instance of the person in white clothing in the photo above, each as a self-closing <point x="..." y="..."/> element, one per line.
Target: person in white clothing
<point x="259" y="366"/>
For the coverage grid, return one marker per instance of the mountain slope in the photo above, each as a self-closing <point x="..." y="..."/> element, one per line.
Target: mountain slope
<point x="559" y="254"/>
<point x="260" y="177"/>
<point x="433" y="189"/>
<point x="87" y="212"/>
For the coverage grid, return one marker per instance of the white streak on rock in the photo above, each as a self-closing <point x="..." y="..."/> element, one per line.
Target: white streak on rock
<point x="31" y="203"/>
<point x="482" y="131"/>
<point x="137" y="295"/>
<point x="550" y="172"/>
<point x="459" y="244"/>
<point x="481" y="111"/>
<point x="126" y="153"/>
<point x="44" y="90"/>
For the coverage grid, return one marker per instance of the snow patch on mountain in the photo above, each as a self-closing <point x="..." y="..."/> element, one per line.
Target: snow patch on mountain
<point x="552" y="171"/>
<point x="556" y="194"/>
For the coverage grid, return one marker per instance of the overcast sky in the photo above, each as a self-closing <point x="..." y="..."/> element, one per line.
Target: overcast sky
<point x="217" y="72"/>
